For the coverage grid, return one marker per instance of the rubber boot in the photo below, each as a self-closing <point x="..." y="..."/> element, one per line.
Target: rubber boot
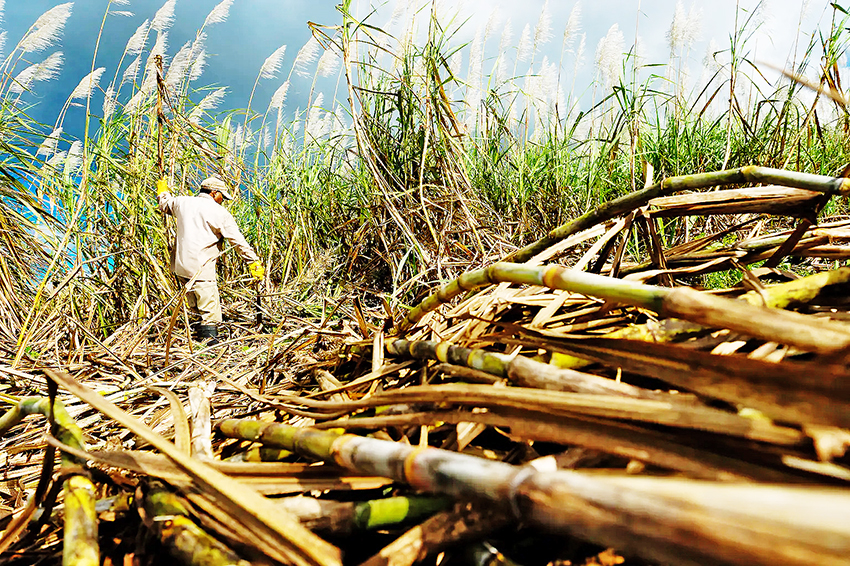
<point x="207" y="333"/>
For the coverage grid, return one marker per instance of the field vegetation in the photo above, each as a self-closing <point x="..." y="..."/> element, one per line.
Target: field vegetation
<point x="429" y="158"/>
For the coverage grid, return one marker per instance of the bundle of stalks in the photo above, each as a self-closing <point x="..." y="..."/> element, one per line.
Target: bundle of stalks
<point x="660" y="378"/>
<point x="609" y="392"/>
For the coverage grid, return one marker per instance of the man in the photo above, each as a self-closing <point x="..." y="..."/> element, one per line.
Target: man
<point x="202" y="226"/>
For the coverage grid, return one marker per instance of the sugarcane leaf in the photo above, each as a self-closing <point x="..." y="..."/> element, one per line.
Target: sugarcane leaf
<point x="182" y="436"/>
<point x="273" y="529"/>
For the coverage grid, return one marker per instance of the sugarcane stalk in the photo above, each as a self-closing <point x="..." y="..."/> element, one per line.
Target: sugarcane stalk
<point x="663" y="519"/>
<point x="775" y="325"/>
<point x="168" y="517"/>
<point x="346" y="516"/>
<point x="748" y="174"/>
<point x="798" y="291"/>
<point x="464" y="522"/>
<point x="519" y="370"/>
<point x="80" y="526"/>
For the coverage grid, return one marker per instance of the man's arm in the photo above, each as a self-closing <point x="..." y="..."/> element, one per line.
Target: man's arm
<point x="230" y="232"/>
<point x="164" y="197"/>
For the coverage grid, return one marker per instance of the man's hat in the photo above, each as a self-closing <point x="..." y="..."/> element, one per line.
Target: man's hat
<point x="216" y="184"/>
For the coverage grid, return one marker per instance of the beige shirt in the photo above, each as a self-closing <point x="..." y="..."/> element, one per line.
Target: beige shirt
<point x="202" y="227"/>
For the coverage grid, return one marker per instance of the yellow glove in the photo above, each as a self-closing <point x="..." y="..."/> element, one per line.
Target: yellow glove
<point x="162" y="186"/>
<point x="257" y="270"/>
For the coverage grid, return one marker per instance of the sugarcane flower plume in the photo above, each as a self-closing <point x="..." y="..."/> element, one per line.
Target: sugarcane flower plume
<point x="271" y="65"/>
<point x="137" y="41"/>
<point x="47" y="29"/>
<point x="219" y="14"/>
<point x="609" y="55"/>
<point x="164" y="17"/>
<point x="39" y="72"/>
<point x="87" y="84"/>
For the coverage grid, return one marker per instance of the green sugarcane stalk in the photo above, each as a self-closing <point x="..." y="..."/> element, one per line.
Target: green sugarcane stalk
<point x="343" y="517"/>
<point x="748" y="174"/>
<point x="798" y="291"/>
<point x="663" y="519"/>
<point x="389" y="511"/>
<point x="169" y="518"/>
<point x="794" y="329"/>
<point x="519" y="370"/>
<point x="80" y="528"/>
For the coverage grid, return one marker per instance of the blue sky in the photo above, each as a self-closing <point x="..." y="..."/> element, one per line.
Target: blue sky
<point x="255" y="28"/>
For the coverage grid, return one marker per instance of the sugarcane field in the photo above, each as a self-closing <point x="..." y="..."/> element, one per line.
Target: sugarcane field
<point x="441" y="283"/>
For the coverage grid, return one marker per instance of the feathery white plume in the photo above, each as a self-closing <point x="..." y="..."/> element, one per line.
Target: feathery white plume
<point x="160" y="46"/>
<point x="674" y="34"/>
<point x="121" y="2"/>
<point x="455" y="63"/>
<point x="136" y="101"/>
<point x="131" y="71"/>
<point x="306" y="55"/>
<point x="328" y="63"/>
<point x="314" y="128"/>
<point x="44" y="71"/>
<point x="109" y="102"/>
<point x="476" y="60"/>
<point x="279" y="96"/>
<point x="75" y="158"/>
<point x="271" y="65"/>
<point x="580" y="53"/>
<point x="50" y="143"/>
<point x="500" y="69"/>
<point x="2" y="2"/>
<point x="199" y="62"/>
<point x="47" y="29"/>
<point x="609" y="55"/>
<point x="122" y="13"/>
<point x="523" y="50"/>
<point x="219" y="14"/>
<point x="3" y="35"/>
<point x="543" y="29"/>
<point x="57" y="159"/>
<point x="492" y="22"/>
<point x="400" y="8"/>
<point x="87" y="84"/>
<point x="693" y="26"/>
<point x="710" y="61"/>
<point x="137" y="41"/>
<point x="267" y="138"/>
<point x="179" y="66"/>
<point x="164" y="17"/>
<point x="573" y="25"/>
<point x="197" y="57"/>
<point x="506" y="37"/>
<point x="684" y="29"/>
<point x="207" y="103"/>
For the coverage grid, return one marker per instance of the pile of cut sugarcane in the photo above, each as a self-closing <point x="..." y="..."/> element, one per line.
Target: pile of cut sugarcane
<point x="587" y="400"/>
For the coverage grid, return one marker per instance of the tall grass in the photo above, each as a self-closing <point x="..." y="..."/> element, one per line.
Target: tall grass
<point x="406" y="171"/>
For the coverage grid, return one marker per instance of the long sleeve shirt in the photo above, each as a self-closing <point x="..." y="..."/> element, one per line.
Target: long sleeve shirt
<point x="202" y="227"/>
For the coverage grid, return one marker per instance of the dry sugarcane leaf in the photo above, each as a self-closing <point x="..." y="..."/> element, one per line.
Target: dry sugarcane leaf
<point x="791" y="391"/>
<point x="273" y="530"/>
<point x="266" y="477"/>
<point x="182" y="436"/>
<point x="767" y="200"/>
<point x="669" y="413"/>
<point x="18" y="524"/>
